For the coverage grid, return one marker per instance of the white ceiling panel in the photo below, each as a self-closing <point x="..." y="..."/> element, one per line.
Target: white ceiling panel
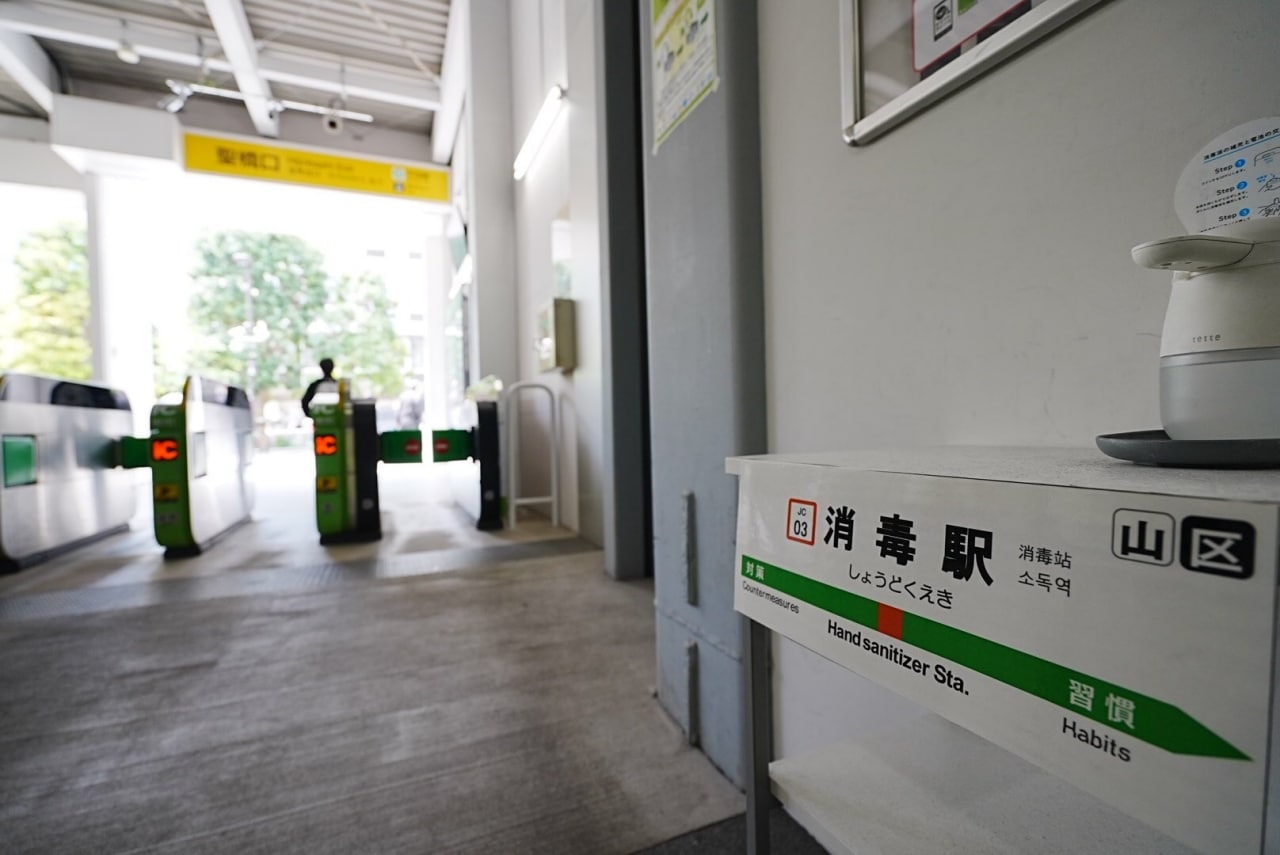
<point x="86" y="64"/>
<point x="388" y="52"/>
<point x="180" y="12"/>
<point x="405" y="34"/>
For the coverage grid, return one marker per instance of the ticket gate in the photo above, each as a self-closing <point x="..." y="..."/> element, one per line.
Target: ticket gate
<point x="198" y="453"/>
<point x="348" y="449"/>
<point x="477" y="488"/>
<point x="59" y="445"/>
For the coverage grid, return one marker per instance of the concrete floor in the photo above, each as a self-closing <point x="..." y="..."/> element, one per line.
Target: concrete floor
<point x="368" y="704"/>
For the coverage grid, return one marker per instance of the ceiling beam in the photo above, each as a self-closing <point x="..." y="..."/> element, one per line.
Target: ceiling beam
<point x="92" y="28"/>
<point x="24" y="129"/>
<point x="453" y="82"/>
<point x="163" y="41"/>
<point x="238" y="46"/>
<point x="387" y="87"/>
<point x="25" y="61"/>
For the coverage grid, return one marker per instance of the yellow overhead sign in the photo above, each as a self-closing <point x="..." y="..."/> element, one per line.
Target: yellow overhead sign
<point x="251" y="159"/>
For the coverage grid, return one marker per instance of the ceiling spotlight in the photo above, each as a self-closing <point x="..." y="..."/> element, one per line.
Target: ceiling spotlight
<point x="173" y="103"/>
<point x="206" y="71"/>
<point x="177" y="101"/>
<point x="126" y="52"/>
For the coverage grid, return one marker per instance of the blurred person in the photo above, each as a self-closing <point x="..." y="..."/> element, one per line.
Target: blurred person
<point x="411" y="407"/>
<point x="327" y="379"/>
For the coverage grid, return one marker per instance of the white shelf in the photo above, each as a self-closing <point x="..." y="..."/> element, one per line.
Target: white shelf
<point x="1065" y="467"/>
<point x="887" y="793"/>
<point x="925" y="784"/>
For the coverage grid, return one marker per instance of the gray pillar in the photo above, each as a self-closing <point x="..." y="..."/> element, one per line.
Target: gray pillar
<point x="628" y="535"/>
<point x="706" y="373"/>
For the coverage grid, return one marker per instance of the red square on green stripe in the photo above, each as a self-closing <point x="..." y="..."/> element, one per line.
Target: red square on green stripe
<point x="890" y="621"/>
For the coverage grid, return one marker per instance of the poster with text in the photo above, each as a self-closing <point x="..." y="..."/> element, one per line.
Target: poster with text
<point x="683" y="53"/>
<point x="907" y="41"/>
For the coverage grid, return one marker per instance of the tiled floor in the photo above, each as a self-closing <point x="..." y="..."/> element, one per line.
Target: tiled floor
<point x="445" y="690"/>
<point x="419" y="517"/>
<point x="507" y="709"/>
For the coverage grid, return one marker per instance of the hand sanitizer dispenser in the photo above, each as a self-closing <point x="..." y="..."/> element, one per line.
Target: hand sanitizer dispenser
<point x="1220" y="349"/>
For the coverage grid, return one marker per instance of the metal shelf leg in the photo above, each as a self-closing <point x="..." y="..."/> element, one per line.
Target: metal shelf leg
<point x="759" y="731"/>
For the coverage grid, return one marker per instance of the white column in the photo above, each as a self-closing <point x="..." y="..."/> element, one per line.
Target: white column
<point x="439" y="278"/>
<point x="129" y="263"/>
<point x="99" y="318"/>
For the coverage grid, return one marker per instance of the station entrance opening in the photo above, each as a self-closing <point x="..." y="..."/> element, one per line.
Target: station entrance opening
<point x="238" y="289"/>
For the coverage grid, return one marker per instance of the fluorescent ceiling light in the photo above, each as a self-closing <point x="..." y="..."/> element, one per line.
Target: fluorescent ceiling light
<point x="538" y="133"/>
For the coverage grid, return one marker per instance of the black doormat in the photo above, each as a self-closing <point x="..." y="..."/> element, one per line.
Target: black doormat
<point x="786" y="837"/>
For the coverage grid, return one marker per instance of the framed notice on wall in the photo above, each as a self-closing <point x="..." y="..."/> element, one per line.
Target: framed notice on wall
<point x="899" y="57"/>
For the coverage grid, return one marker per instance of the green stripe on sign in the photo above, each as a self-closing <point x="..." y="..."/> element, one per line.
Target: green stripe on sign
<point x="1152" y="721"/>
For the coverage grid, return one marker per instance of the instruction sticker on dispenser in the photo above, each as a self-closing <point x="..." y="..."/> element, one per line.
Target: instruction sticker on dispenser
<point x="1234" y="179"/>
<point x="1122" y="641"/>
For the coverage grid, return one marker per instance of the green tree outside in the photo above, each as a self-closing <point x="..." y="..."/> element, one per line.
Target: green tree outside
<point x="256" y="295"/>
<point x="360" y="337"/>
<point x="169" y="376"/>
<point x="46" y="329"/>
<point x="265" y="302"/>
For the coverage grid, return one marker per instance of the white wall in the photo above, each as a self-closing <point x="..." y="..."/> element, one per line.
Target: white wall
<point x="439" y="277"/>
<point x="553" y="42"/>
<point x="967" y="279"/>
<point x="587" y="450"/>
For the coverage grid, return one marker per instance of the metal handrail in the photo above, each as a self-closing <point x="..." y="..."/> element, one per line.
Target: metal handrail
<point x="511" y="459"/>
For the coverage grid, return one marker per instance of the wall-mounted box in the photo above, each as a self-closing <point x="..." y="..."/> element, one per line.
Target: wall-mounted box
<point x="1111" y="624"/>
<point x="557" y="341"/>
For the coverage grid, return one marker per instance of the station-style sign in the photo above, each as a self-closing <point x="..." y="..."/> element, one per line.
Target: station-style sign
<point x="246" y="158"/>
<point x="1114" y="627"/>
